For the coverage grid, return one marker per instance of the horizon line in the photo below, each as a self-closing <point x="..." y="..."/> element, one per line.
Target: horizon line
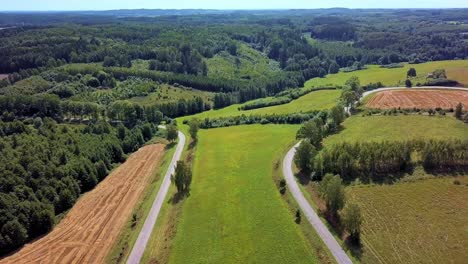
<point x="230" y="9"/>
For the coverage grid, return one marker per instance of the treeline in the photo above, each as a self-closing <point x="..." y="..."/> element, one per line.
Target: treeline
<point x="283" y="97"/>
<point x="45" y="167"/>
<point x="330" y="119"/>
<point x="370" y="161"/>
<point x="23" y="107"/>
<point x="296" y="118"/>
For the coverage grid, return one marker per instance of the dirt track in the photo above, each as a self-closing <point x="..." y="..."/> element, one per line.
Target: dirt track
<point x="418" y="98"/>
<point x="89" y="230"/>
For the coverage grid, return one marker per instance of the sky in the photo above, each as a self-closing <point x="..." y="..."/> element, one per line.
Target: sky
<point x="44" y="5"/>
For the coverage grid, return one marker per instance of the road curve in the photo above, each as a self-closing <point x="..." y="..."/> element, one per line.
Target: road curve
<point x="145" y="233"/>
<point x="309" y="212"/>
<point x="416" y="87"/>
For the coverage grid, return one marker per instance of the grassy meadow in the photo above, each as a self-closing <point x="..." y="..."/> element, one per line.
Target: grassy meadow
<point x="457" y="70"/>
<point x="235" y="213"/>
<point x="248" y="64"/>
<point x="400" y="127"/>
<point x="317" y="100"/>
<point x="415" y="222"/>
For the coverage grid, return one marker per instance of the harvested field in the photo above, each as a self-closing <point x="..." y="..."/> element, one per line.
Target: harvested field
<point x="424" y="99"/>
<point x="89" y="230"/>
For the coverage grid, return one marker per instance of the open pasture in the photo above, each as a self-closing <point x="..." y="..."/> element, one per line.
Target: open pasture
<point x="418" y="222"/>
<point x="234" y="213"/>
<point x="422" y="99"/>
<point x="455" y="69"/>
<point x="316" y="100"/>
<point x="402" y="127"/>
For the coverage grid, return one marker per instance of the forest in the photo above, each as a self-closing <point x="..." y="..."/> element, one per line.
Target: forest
<point x="71" y="86"/>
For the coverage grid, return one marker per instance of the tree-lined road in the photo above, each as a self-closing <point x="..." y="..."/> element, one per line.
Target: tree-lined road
<point x="338" y="253"/>
<point x="145" y="233"/>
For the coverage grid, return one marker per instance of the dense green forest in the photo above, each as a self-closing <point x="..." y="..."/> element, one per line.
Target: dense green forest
<point x="71" y="86"/>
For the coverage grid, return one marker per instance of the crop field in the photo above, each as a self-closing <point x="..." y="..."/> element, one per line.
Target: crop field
<point x="317" y="100"/>
<point x="418" y="222"/>
<point x="396" y="77"/>
<point x="401" y="127"/>
<point x="422" y="99"/>
<point x="235" y="213"/>
<point x="91" y="227"/>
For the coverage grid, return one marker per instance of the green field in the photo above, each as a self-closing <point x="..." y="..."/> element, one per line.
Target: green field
<point x="419" y="222"/>
<point x="317" y="100"/>
<point x="396" y="77"/>
<point x="235" y="213"/>
<point x="251" y="64"/>
<point x="401" y="127"/>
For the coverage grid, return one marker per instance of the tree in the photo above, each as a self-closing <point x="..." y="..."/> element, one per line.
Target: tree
<point x="411" y="72"/>
<point x="172" y="133"/>
<point x="408" y="83"/>
<point x="349" y="97"/>
<point x="182" y="177"/>
<point x="312" y="132"/>
<point x="332" y="191"/>
<point x="459" y="111"/>
<point x="304" y="156"/>
<point x="351" y="218"/>
<point x="439" y="74"/>
<point x="336" y="115"/>
<point x="194" y="126"/>
<point x="334" y="68"/>
<point x="355" y="85"/>
<point x="14" y="234"/>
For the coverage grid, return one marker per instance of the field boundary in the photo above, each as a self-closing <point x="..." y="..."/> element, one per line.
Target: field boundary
<point x="145" y="233"/>
<point x="405" y="88"/>
<point x="337" y="251"/>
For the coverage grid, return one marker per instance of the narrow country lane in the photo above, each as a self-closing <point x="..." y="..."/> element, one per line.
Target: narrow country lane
<point x="330" y="241"/>
<point x="145" y="233"/>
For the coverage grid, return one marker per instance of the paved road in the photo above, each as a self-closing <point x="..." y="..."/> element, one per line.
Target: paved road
<point x="145" y="233"/>
<point x="417" y="87"/>
<point x="309" y="212"/>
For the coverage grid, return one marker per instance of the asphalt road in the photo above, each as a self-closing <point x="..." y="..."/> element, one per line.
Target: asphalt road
<point x="145" y="233"/>
<point x="309" y="212"/>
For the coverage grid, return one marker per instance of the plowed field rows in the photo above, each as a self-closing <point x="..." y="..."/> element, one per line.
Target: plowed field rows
<point x="424" y="99"/>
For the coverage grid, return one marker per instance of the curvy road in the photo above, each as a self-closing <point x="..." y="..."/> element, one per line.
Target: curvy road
<point x="145" y="233"/>
<point x="309" y="212"/>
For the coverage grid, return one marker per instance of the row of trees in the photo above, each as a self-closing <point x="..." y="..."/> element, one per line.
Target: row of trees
<point x="347" y="214"/>
<point x="374" y="161"/>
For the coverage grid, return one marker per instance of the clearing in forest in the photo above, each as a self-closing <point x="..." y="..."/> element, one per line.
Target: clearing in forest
<point x="422" y="99"/>
<point x="90" y="228"/>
